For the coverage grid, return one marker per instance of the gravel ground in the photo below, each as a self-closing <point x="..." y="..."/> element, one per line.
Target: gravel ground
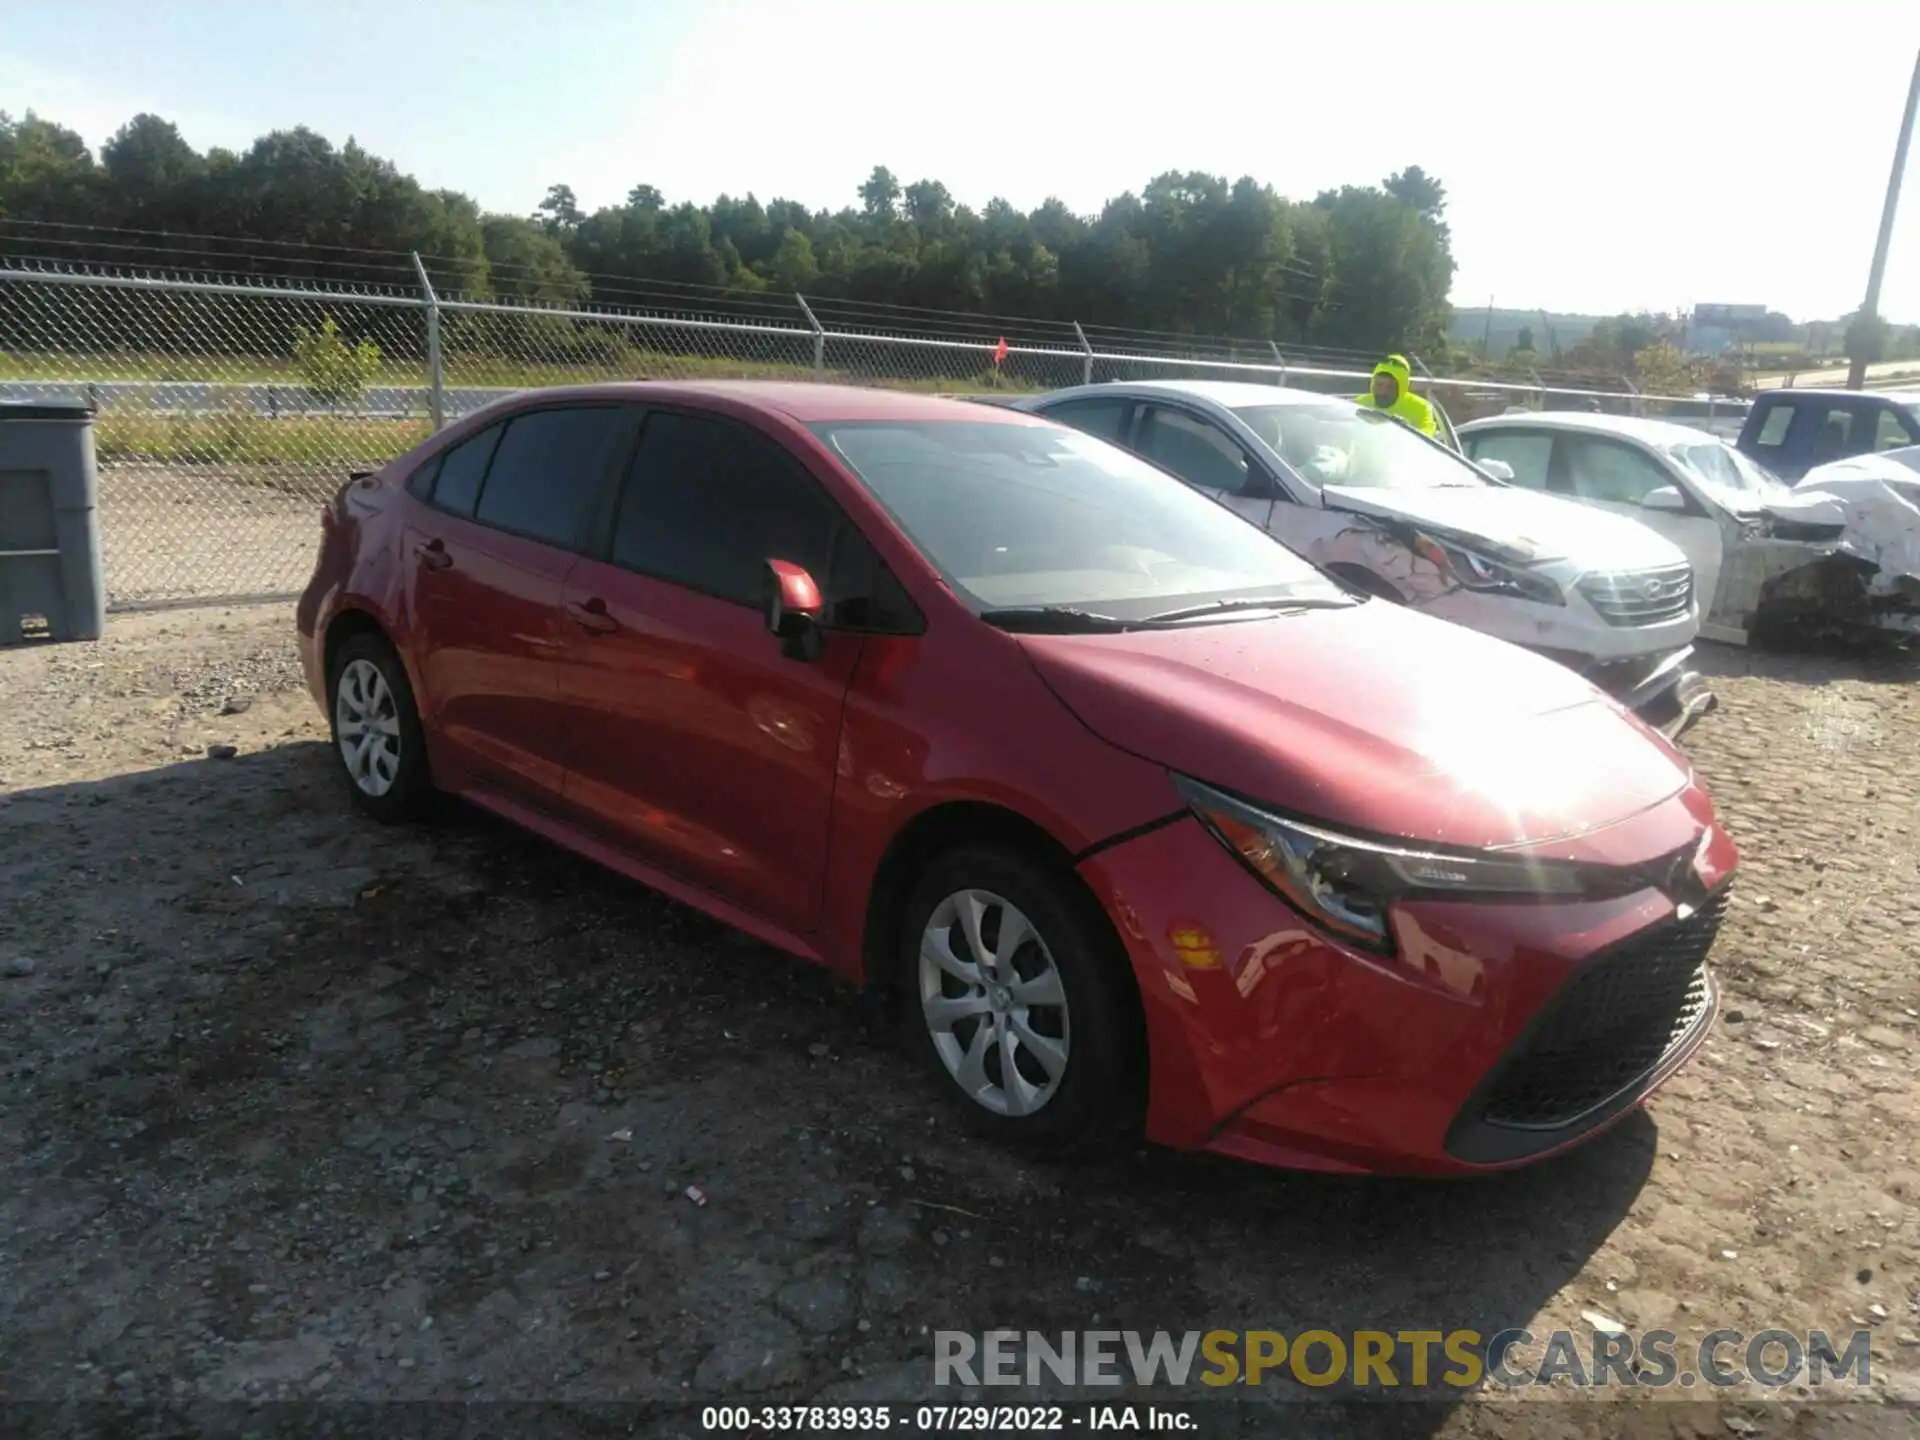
<point x="172" y="532"/>
<point x="295" y="1106"/>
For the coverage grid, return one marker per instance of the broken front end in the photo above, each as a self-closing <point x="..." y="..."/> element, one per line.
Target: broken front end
<point x="1837" y="562"/>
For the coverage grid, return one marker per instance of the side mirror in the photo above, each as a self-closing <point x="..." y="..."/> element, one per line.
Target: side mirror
<point x="1498" y="469"/>
<point x="793" y="610"/>
<point x="1664" y="497"/>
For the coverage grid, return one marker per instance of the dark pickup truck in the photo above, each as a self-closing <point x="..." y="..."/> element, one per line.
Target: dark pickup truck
<point x="1791" y="431"/>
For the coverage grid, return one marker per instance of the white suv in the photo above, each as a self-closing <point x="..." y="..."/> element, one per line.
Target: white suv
<point x="1396" y="515"/>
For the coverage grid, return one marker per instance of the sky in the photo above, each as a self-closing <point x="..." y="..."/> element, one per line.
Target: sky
<point x="1597" y="158"/>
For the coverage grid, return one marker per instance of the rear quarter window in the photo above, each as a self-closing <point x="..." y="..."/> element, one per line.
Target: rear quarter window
<point x="455" y="481"/>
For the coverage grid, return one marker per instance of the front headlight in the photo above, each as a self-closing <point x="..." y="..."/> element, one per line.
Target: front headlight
<point x="1472" y="571"/>
<point x="1346" y="883"/>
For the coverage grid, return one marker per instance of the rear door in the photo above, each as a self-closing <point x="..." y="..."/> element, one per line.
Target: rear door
<point x="504" y="517"/>
<point x="696" y="745"/>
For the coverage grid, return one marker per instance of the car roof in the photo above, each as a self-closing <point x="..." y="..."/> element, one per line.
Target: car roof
<point x="1230" y="393"/>
<point x="799" y="400"/>
<point x="1634" y="427"/>
<point x="1822" y="392"/>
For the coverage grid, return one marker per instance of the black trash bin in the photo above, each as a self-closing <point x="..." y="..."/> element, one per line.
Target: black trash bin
<point x="51" y="586"/>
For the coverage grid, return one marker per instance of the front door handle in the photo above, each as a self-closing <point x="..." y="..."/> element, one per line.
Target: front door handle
<point x="433" y="555"/>
<point x="591" y="615"/>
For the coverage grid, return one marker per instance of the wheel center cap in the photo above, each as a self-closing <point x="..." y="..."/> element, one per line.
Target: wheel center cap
<point x="1001" y="997"/>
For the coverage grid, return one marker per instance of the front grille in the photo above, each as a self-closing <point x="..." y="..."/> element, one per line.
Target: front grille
<point x="1640" y="597"/>
<point x="1609" y="1026"/>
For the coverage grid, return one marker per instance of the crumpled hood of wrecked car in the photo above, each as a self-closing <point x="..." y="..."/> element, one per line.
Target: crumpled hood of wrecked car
<point x="1517" y="525"/>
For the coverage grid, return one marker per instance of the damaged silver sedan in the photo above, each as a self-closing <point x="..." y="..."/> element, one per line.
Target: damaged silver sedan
<point x="1395" y="515"/>
<point x="1831" y="558"/>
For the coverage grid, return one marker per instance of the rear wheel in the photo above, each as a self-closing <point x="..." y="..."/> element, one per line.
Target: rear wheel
<point x="1016" y="1000"/>
<point x="376" y="730"/>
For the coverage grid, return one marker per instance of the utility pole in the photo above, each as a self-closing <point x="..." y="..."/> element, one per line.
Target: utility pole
<point x="1857" y="364"/>
<point x="1486" y="335"/>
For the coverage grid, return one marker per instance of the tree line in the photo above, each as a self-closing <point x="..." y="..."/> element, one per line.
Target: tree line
<point x="1364" y="267"/>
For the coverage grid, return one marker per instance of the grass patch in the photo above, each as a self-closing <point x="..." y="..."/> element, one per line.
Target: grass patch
<point x="238" y="434"/>
<point x="480" y="371"/>
<point x="254" y="440"/>
<point x="73" y="369"/>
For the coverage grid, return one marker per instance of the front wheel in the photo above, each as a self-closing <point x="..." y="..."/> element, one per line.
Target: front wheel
<point x="376" y="730"/>
<point x="1017" y="999"/>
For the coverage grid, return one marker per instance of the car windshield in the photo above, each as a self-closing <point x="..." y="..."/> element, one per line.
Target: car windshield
<point x="1725" y="472"/>
<point x="1341" y="444"/>
<point x="1019" y="516"/>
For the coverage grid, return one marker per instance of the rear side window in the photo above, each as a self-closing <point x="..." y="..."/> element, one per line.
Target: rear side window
<point x="462" y="468"/>
<point x="1835" y="436"/>
<point x="708" y="503"/>
<point x="1526" y="453"/>
<point x="1773" y="429"/>
<point x="1104" y="418"/>
<point x="547" y="471"/>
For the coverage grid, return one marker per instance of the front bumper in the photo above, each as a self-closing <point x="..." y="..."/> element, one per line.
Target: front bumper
<point x="1500" y="1032"/>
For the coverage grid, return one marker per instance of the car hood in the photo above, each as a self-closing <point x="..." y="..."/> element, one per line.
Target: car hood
<point x="1372" y="717"/>
<point x="1872" y="505"/>
<point x="1517" y="525"/>
<point x="1802" y="507"/>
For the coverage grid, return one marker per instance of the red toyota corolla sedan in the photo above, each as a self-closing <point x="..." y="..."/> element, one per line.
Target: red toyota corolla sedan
<point x="1151" y="824"/>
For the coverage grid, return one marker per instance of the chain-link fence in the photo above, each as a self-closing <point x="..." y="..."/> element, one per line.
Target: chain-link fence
<point x="228" y="412"/>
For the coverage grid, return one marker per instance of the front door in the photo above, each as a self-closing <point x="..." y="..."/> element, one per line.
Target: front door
<point x="695" y="744"/>
<point x="1206" y="457"/>
<point x="1613" y="475"/>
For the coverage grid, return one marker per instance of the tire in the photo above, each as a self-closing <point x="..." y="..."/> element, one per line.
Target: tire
<point x="385" y="774"/>
<point x="1075" y="1075"/>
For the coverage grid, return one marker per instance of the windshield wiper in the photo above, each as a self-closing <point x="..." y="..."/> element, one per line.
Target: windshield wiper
<point x="1222" y="607"/>
<point x="1054" y="620"/>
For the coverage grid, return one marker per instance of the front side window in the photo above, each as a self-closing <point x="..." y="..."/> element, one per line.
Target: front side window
<point x="547" y="472"/>
<point x="1526" y="452"/>
<point x="1018" y="515"/>
<point x="1610" y="472"/>
<point x="708" y="503"/>
<point x="1338" y="443"/>
<point x="1890" y="432"/>
<point x="1199" y="453"/>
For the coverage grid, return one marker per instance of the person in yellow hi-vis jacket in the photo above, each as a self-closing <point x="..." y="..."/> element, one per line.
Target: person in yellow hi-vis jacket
<point x="1393" y="392"/>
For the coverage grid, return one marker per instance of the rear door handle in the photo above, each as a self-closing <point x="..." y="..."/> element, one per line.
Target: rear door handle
<point x="433" y="555"/>
<point x="591" y="615"/>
